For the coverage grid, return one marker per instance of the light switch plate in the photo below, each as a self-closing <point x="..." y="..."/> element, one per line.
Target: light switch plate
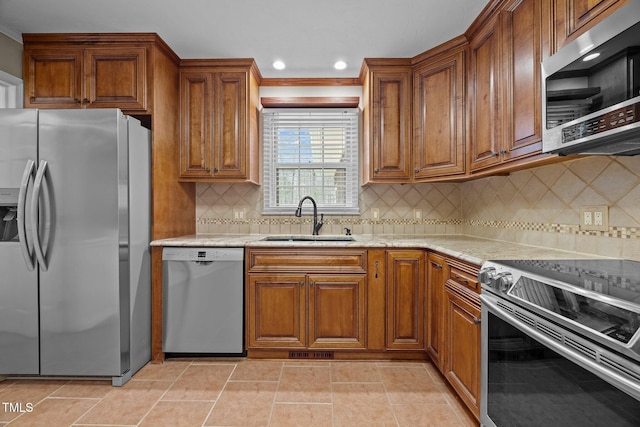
<point x="375" y="214"/>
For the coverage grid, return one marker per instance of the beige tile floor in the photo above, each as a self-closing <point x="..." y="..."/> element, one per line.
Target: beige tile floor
<point x="210" y="392"/>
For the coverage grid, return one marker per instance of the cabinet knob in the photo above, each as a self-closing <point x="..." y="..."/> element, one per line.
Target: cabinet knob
<point x="494" y="154"/>
<point x="311" y="283"/>
<point x="216" y="169"/>
<point x="207" y="169"/>
<point x="476" y="321"/>
<point x="77" y="101"/>
<point x="416" y="170"/>
<point x="504" y="151"/>
<point x="437" y="266"/>
<point x="376" y="170"/>
<point x="86" y="101"/>
<point x="301" y="283"/>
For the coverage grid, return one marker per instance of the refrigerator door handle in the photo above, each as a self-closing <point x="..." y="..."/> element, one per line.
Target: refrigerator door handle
<point x="35" y="205"/>
<point x="27" y="253"/>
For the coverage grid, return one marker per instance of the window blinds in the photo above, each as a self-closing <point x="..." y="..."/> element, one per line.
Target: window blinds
<point x="311" y="152"/>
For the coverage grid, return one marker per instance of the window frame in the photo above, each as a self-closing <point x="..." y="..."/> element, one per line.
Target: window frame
<point x="270" y="166"/>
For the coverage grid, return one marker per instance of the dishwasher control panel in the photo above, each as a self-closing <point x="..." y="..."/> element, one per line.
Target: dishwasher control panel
<point x="202" y="254"/>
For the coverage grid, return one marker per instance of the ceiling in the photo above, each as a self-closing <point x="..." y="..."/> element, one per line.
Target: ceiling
<point x="308" y="35"/>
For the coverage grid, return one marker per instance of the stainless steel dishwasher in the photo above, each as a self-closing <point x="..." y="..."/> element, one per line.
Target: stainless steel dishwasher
<point x="203" y="300"/>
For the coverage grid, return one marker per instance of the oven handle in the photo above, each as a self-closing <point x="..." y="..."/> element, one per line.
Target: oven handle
<point x="630" y="387"/>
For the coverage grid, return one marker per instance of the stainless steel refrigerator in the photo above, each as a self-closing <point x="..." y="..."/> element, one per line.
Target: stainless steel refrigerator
<point x="75" y="292"/>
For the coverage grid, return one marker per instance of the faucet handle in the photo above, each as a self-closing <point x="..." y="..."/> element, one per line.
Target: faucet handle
<point x="317" y="226"/>
<point x="347" y="231"/>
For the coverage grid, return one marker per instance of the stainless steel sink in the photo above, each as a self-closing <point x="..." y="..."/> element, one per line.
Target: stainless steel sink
<point x="308" y="239"/>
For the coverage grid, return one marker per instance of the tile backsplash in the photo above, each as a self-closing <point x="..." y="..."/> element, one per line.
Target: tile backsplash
<point x="539" y="206"/>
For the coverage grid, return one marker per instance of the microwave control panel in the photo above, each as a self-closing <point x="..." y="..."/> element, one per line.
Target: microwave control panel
<point x="605" y="122"/>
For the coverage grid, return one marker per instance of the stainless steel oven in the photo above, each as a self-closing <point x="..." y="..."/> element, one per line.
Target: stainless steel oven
<point x="560" y="343"/>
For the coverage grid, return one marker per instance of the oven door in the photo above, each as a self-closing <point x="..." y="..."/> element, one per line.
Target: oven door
<point x="529" y="378"/>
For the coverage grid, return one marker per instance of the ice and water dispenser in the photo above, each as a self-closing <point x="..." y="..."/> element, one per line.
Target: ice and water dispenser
<point x="8" y="214"/>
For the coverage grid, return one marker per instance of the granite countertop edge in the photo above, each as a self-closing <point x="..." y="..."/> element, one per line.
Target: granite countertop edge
<point x="475" y="250"/>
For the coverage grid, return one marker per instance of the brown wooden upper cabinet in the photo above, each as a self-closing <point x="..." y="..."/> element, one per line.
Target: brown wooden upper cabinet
<point x="387" y="120"/>
<point x="438" y="114"/>
<point x="61" y="73"/>
<point x="573" y="17"/>
<point x="504" y="85"/>
<point x="219" y="120"/>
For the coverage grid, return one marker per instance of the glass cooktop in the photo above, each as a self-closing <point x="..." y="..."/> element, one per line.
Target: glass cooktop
<point x="600" y="295"/>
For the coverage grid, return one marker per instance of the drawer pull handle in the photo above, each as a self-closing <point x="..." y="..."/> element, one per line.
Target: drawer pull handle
<point x="377" y="263"/>
<point x="460" y="279"/>
<point x="438" y="266"/>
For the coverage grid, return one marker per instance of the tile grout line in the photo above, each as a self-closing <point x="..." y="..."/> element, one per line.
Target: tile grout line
<point x="275" y="395"/>
<point x="235" y="366"/>
<point x="163" y="394"/>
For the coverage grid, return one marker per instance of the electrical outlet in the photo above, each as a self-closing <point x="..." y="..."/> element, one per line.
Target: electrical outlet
<point x="238" y="213"/>
<point x="417" y="213"/>
<point x="375" y="214"/>
<point x="595" y="218"/>
<point x="594" y="283"/>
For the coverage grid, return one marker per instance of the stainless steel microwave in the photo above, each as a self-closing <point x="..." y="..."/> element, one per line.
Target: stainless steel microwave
<point x="591" y="90"/>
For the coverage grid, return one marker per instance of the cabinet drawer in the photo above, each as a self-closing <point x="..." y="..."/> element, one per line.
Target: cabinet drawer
<point x="307" y="260"/>
<point x="464" y="277"/>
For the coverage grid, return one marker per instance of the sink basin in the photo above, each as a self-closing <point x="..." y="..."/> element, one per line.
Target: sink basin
<point x="308" y="239"/>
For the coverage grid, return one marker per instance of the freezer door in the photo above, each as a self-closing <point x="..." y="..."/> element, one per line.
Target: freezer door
<point x="18" y="285"/>
<point x="83" y="214"/>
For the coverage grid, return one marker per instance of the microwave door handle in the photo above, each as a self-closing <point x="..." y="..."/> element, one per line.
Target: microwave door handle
<point x="35" y="205"/>
<point x="610" y="376"/>
<point x="22" y="226"/>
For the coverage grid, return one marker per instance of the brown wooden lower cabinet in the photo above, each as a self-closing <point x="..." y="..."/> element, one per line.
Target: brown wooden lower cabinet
<point x="462" y="344"/>
<point x="436" y="278"/>
<point x="309" y="311"/>
<point x="405" y="299"/>
<point x="322" y="308"/>
<point x="277" y="311"/>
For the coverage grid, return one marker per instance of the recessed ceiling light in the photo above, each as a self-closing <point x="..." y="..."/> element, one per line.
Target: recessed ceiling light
<point x="340" y="65"/>
<point x="278" y="65"/>
<point x="591" y="56"/>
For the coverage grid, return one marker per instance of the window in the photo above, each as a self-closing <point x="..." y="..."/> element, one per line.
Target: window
<point x="311" y="152"/>
<point x="10" y="91"/>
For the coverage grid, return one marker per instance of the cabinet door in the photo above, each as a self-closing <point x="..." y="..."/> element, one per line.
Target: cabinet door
<point x="485" y="138"/>
<point x="229" y="148"/>
<point x="436" y="277"/>
<point x="522" y="21"/>
<point x="116" y="78"/>
<point x="391" y="131"/>
<point x="277" y="311"/>
<point x="462" y="340"/>
<point x="405" y="300"/>
<point x="337" y="311"/>
<point x="53" y="78"/>
<point x="438" y="148"/>
<point x="583" y="12"/>
<point x="196" y="97"/>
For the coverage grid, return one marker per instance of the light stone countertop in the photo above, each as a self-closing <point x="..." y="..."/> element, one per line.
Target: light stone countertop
<point x="468" y="248"/>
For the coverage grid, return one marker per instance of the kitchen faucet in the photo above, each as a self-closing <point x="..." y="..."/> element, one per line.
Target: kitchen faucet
<point x="316" y="225"/>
